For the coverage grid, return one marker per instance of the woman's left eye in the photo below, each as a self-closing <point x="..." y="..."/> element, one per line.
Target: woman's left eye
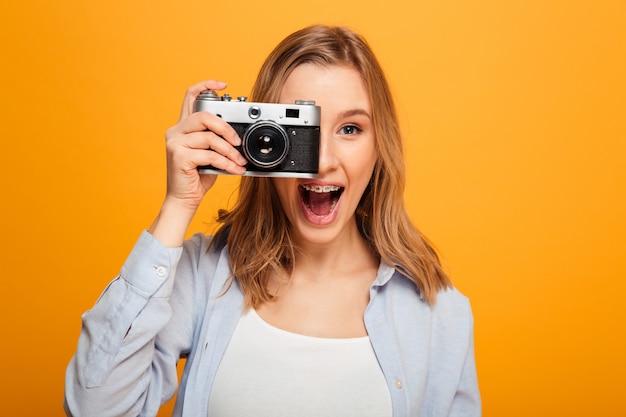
<point x="350" y="130"/>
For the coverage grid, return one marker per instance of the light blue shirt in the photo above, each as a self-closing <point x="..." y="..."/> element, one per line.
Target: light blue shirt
<point x="168" y="303"/>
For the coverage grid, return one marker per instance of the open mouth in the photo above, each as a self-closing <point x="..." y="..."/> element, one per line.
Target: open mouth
<point x="320" y="199"/>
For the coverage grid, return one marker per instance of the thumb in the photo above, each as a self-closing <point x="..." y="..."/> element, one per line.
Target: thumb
<point x="193" y="92"/>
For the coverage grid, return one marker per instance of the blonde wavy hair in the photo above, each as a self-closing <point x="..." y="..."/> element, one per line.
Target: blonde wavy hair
<point x="256" y="230"/>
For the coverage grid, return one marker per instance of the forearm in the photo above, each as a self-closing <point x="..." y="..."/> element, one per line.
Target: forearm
<point x="118" y="369"/>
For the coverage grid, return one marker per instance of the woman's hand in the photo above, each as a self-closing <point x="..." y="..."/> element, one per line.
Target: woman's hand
<point x="198" y="139"/>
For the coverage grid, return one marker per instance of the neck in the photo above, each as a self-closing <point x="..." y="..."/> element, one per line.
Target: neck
<point x="346" y="252"/>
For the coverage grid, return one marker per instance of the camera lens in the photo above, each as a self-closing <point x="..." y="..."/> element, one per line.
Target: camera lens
<point x="265" y="144"/>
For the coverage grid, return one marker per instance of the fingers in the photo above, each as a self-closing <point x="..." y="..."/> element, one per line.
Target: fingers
<point x="206" y="148"/>
<point x="194" y="91"/>
<point x="205" y="139"/>
<point x="201" y="121"/>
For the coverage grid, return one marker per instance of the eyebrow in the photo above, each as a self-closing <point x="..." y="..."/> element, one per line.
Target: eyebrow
<point x="354" y="112"/>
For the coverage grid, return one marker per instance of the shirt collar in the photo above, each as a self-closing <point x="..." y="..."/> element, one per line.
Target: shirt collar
<point x="386" y="272"/>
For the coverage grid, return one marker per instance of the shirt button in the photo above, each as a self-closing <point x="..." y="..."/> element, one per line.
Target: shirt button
<point x="398" y="384"/>
<point x="161" y="270"/>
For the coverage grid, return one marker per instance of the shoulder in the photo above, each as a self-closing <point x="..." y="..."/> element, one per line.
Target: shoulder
<point x="450" y="314"/>
<point x="452" y="320"/>
<point x="203" y="261"/>
<point x="198" y="245"/>
<point x="451" y="301"/>
<point x="199" y="249"/>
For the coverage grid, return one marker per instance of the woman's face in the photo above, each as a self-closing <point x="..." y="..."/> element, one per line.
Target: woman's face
<point x="321" y="210"/>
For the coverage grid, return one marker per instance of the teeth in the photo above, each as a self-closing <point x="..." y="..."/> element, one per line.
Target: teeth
<point x="321" y="188"/>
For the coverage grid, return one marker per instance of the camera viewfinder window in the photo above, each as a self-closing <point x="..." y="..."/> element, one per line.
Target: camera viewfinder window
<point x="294" y="113"/>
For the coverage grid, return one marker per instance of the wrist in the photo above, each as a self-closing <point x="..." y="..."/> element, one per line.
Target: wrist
<point x="172" y="222"/>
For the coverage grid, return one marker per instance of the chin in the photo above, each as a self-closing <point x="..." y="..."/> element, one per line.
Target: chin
<point x="307" y="233"/>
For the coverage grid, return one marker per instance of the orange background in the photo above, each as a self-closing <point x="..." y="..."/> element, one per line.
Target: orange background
<point x="515" y="117"/>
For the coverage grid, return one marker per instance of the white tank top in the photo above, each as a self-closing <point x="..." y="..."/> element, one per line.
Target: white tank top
<point x="269" y="372"/>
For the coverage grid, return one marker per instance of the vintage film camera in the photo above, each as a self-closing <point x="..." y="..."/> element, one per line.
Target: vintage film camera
<point x="278" y="140"/>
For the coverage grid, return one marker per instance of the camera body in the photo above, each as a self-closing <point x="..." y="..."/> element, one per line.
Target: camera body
<point x="278" y="140"/>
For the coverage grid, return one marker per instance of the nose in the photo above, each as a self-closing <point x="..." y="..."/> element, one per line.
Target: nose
<point x="328" y="160"/>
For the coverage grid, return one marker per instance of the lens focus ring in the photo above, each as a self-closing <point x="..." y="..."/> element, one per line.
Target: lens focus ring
<point x="265" y="144"/>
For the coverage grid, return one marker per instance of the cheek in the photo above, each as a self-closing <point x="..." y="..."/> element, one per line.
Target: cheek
<point x="364" y="162"/>
<point x="362" y="169"/>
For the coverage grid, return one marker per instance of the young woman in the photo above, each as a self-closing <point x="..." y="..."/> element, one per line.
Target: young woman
<point x="316" y="297"/>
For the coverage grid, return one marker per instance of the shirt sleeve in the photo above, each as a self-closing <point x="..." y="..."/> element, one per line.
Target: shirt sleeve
<point x="118" y="369"/>
<point x="467" y="402"/>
